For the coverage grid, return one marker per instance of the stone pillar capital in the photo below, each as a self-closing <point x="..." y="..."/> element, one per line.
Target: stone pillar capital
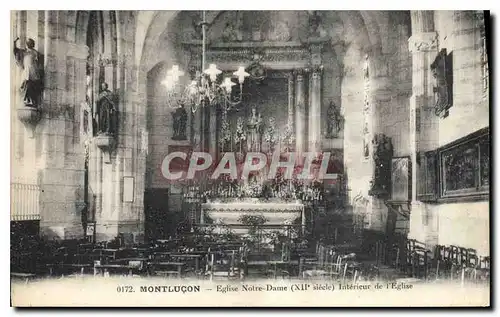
<point x="299" y="74"/>
<point x="106" y="60"/>
<point x="423" y="42"/>
<point x="316" y="70"/>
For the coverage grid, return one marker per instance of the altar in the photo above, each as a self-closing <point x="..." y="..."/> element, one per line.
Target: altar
<point x="240" y="215"/>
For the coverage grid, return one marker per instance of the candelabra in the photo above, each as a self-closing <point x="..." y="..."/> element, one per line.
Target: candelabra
<point x="205" y="88"/>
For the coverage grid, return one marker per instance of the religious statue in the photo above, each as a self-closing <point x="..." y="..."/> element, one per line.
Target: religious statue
<point x="106" y="110"/>
<point x="382" y="156"/>
<point x="256" y="69"/>
<point x="180" y="117"/>
<point x="232" y="31"/>
<point x="31" y="63"/>
<point x="443" y="74"/>
<point x="334" y="121"/>
<point x="254" y="126"/>
<point x="280" y="31"/>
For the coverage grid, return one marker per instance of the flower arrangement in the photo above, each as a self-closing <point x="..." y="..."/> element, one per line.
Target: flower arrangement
<point x="240" y="135"/>
<point x="270" y="135"/>
<point x="288" y="137"/>
<point x="225" y="132"/>
<point x="253" y="189"/>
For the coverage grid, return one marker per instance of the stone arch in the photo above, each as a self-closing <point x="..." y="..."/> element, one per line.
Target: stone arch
<point x="153" y="74"/>
<point x="371" y="21"/>
<point x="147" y="37"/>
<point x="149" y="27"/>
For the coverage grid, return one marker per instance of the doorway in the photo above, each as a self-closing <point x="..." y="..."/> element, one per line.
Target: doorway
<point x="156" y="206"/>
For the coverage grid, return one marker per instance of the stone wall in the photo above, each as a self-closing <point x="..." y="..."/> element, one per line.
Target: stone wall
<point x="52" y="158"/>
<point x="358" y="170"/>
<point x="462" y="224"/>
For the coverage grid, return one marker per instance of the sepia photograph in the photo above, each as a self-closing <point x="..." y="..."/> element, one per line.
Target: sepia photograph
<point x="272" y="158"/>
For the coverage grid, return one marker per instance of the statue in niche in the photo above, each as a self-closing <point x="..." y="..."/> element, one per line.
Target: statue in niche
<point x="197" y="33"/>
<point x="334" y="121"/>
<point x="256" y="69"/>
<point x="232" y="30"/>
<point x="280" y="31"/>
<point x="382" y="156"/>
<point x="442" y="72"/>
<point x="180" y="117"/>
<point x="254" y="127"/>
<point x="31" y="63"/>
<point x="106" y="110"/>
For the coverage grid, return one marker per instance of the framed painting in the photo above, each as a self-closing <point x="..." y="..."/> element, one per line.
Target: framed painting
<point x="464" y="168"/>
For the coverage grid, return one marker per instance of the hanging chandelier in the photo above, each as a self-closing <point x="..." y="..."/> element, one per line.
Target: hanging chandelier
<point x="205" y="88"/>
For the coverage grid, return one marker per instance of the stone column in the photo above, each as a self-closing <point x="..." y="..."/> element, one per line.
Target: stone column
<point x="212" y="132"/>
<point x="315" y="110"/>
<point x="300" y="114"/>
<point x="423" y="123"/>
<point x="197" y="129"/>
<point x="291" y="100"/>
<point x="203" y="126"/>
<point x="468" y="82"/>
<point x="61" y="163"/>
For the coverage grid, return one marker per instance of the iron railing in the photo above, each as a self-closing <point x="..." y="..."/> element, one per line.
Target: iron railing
<point x="25" y="202"/>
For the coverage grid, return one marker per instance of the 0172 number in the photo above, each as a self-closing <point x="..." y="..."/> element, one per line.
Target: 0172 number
<point x="124" y="289"/>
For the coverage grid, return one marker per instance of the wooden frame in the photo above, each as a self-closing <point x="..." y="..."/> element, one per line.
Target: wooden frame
<point x="442" y="69"/>
<point x="456" y="172"/>
<point x="464" y="168"/>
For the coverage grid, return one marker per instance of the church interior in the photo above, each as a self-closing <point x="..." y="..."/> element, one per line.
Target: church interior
<point x="394" y="106"/>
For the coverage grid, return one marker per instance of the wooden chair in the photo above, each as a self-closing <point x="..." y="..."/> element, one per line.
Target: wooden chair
<point x="420" y="263"/>
<point x="167" y="269"/>
<point x="352" y="270"/>
<point x="482" y="272"/>
<point x="223" y="264"/>
<point x="26" y="277"/>
<point x="439" y="266"/>
<point x="335" y="267"/>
